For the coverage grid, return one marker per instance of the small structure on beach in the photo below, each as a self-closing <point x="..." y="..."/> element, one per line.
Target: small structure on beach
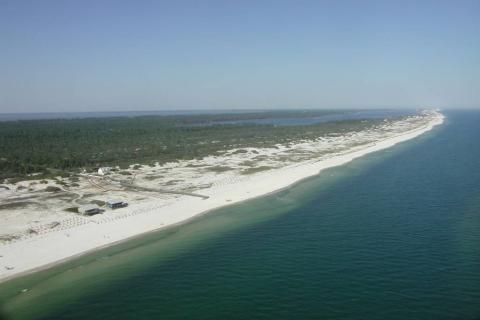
<point x="89" y="210"/>
<point x="104" y="170"/>
<point x="115" y="204"/>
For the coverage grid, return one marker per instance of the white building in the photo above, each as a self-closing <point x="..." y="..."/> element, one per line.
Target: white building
<point x="104" y="170"/>
<point x="114" y="204"/>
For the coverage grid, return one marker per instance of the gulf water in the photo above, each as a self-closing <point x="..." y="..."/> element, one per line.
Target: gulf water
<point x="393" y="235"/>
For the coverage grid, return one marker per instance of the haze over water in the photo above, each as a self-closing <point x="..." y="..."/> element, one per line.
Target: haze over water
<point x="393" y="235"/>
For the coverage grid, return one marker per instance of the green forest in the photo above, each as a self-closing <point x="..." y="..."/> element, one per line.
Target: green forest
<point x="47" y="146"/>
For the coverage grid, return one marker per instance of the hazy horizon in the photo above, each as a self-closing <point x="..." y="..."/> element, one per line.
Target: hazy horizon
<point x="220" y="109"/>
<point x="118" y="56"/>
<point x="227" y="110"/>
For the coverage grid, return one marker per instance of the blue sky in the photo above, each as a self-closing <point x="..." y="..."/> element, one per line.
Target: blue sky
<point x="156" y="55"/>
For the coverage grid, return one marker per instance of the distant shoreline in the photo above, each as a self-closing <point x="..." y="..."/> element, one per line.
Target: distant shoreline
<point x="47" y="250"/>
<point x="32" y="116"/>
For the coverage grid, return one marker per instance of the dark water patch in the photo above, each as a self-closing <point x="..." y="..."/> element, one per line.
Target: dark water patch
<point x="312" y="119"/>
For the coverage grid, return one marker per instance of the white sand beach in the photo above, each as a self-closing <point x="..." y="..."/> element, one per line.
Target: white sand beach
<point x="77" y="235"/>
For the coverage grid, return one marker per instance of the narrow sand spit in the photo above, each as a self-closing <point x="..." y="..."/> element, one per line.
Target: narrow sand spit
<point x="46" y="249"/>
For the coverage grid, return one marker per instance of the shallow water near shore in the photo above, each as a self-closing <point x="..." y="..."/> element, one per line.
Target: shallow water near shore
<point x="393" y="235"/>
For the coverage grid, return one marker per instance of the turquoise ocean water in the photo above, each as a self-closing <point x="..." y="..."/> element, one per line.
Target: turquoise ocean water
<point x="393" y="235"/>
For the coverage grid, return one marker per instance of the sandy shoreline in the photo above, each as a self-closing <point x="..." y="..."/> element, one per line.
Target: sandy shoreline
<point x="46" y="250"/>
